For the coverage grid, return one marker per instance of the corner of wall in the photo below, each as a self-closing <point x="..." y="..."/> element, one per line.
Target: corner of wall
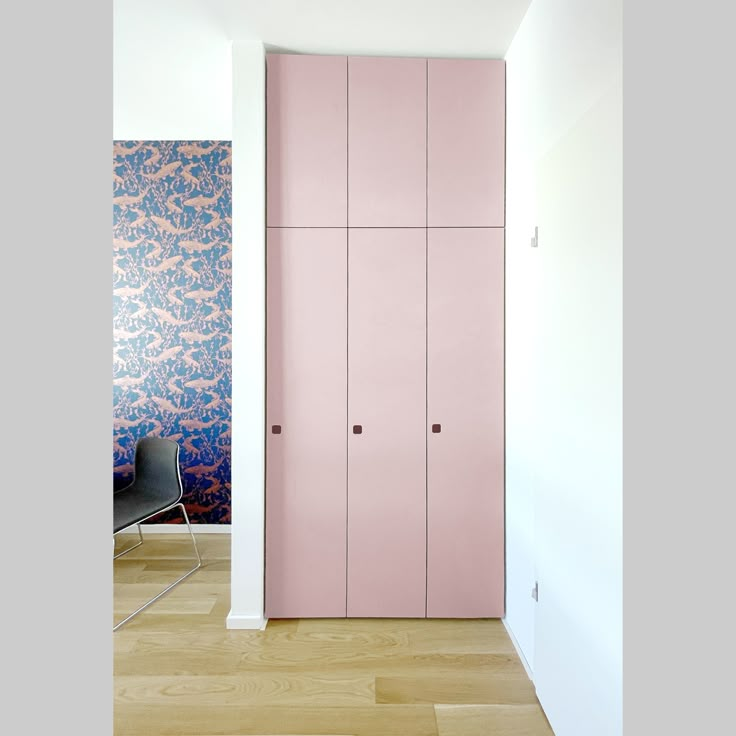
<point x="512" y="636"/>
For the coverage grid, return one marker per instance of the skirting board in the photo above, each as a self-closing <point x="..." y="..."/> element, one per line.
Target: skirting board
<point x="238" y="621"/>
<point x="179" y="529"/>
<point x="528" y="669"/>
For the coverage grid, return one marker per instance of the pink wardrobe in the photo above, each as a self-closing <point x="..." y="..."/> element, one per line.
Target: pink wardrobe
<point x="385" y="337"/>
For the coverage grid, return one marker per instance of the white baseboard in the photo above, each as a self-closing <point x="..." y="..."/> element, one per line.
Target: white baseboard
<point x="178" y="529"/>
<point x="239" y="621"/>
<point x="528" y="669"/>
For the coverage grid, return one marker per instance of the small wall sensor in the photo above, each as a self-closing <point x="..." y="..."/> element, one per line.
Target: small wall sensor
<point x="535" y="239"/>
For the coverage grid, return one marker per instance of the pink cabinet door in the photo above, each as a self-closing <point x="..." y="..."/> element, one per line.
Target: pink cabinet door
<point x="465" y="423"/>
<point x="306" y="454"/>
<point x="387" y="124"/>
<point x="466" y="114"/>
<point x="306" y="141"/>
<point x="386" y="418"/>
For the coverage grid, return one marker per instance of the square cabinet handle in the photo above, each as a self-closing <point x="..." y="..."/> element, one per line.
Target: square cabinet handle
<point x="357" y="429"/>
<point x="436" y="428"/>
<point x="276" y="429"/>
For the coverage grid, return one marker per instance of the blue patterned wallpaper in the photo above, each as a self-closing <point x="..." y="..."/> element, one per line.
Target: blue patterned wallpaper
<point x="172" y="249"/>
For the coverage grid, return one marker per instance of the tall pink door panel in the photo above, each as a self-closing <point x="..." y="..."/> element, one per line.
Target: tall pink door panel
<point x="387" y="125"/>
<point x="465" y="142"/>
<point x="306" y="141"/>
<point x="306" y="454"/>
<point x="465" y="423"/>
<point x="387" y="405"/>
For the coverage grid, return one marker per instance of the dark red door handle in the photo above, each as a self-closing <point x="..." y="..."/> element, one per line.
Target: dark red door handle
<point x="436" y="428"/>
<point x="276" y="429"/>
<point x="357" y="429"/>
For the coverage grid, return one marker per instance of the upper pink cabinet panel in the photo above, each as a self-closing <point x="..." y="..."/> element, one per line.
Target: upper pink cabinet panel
<point x="387" y="134"/>
<point x="306" y="141"/>
<point x="465" y="142"/>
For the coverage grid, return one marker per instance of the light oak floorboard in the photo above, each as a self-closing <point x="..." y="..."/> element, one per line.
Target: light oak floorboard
<point x="246" y="689"/>
<point x="491" y="720"/>
<point x="175" y="546"/>
<point x="456" y="688"/>
<point x="151" y="575"/>
<point x="191" y="720"/>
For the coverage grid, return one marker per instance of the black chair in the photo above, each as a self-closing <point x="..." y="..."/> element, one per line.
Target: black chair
<point x="156" y="488"/>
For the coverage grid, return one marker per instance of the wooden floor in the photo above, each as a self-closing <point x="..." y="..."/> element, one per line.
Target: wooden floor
<point x="179" y="671"/>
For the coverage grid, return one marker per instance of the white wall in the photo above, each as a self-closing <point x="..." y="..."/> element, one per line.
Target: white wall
<point x="172" y="72"/>
<point x="521" y="356"/>
<point x="564" y="359"/>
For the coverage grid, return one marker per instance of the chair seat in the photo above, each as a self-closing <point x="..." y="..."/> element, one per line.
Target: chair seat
<point x="138" y="501"/>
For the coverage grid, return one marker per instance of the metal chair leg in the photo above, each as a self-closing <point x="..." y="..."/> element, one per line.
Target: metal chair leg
<point x="176" y="582"/>
<point x="130" y="549"/>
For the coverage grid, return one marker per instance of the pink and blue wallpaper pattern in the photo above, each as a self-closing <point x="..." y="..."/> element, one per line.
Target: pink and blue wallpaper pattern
<point x="172" y="251"/>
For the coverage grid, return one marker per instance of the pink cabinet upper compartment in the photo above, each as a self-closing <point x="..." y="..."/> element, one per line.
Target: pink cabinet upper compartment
<point x="465" y="142"/>
<point x="306" y="141"/>
<point x="387" y="124"/>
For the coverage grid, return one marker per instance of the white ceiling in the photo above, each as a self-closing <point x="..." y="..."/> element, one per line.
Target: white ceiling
<point x="404" y="27"/>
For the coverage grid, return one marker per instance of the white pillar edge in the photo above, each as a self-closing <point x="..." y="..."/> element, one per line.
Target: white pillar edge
<point x="248" y="335"/>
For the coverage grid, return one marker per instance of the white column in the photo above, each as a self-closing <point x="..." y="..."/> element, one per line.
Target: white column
<point x="249" y="334"/>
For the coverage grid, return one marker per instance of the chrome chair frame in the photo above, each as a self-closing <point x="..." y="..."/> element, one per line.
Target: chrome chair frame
<point x="178" y="580"/>
<point x="140" y="542"/>
<point x="129" y="549"/>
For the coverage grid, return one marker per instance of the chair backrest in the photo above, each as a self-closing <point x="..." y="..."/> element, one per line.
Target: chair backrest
<point x="157" y="466"/>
